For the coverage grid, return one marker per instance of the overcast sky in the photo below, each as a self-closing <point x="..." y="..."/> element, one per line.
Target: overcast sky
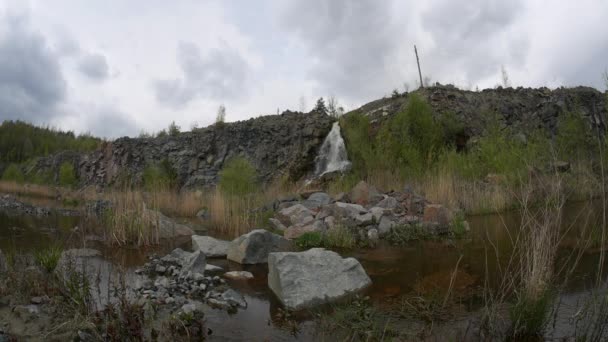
<point x="118" y="67"/>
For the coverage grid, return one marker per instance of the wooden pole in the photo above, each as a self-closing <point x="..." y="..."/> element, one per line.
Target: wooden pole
<point x="418" y="62"/>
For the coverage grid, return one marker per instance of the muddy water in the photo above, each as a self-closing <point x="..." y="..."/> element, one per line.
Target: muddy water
<point x="419" y="267"/>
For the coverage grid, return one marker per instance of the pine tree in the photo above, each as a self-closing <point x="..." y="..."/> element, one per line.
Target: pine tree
<point x="320" y="106"/>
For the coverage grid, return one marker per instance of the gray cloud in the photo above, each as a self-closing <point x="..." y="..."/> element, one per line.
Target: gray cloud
<point x="469" y="37"/>
<point x="31" y="80"/>
<point x="109" y="122"/>
<point x="352" y="42"/>
<point x="94" y="66"/>
<point x="221" y="74"/>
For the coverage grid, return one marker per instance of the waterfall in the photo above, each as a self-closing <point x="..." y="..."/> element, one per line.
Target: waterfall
<point x="332" y="155"/>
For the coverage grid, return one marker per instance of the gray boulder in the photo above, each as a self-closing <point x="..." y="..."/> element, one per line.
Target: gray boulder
<point x="296" y="215"/>
<point x="388" y="203"/>
<point x="317" y="276"/>
<point x="385" y="225"/>
<point x="295" y="232"/>
<point x="254" y="247"/>
<point x="195" y="263"/>
<point x="211" y="247"/>
<point x="317" y="200"/>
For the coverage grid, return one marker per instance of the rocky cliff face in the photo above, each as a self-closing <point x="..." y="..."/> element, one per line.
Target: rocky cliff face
<point x="287" y="144"/>
<point x="276" y="145"/>
<point x="524" y="109"/>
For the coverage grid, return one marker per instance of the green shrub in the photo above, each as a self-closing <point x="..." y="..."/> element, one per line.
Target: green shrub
<point x="13" y="173"/>
<point x="529" y="316"/>
<point x="310" y="240"/>
<point x="238" y="177"/>
<point x="48" y="258"/>
<point x="403" y="234"/>
<point x="339" y="237"/>
<point x="459" y="226"/>
<point x="67" y="176"/>
<point x="160" y="177"/>
<point x="573" y="139"/>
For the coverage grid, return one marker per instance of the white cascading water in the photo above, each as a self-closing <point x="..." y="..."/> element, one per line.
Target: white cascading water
<point x="332" y="155"/>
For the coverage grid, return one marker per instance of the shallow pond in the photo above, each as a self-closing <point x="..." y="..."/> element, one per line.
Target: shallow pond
<point x="419" y="267"/>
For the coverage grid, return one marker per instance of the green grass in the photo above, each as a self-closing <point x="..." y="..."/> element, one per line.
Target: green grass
<point x="356" y="320"/>
<point x="529" y="316"/>
<point x="48" y="258"/>
<point x="403" y="234"/>
<point x="338" y="237"/>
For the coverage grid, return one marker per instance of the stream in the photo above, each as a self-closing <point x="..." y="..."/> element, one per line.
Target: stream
<point x="415" y="268"/>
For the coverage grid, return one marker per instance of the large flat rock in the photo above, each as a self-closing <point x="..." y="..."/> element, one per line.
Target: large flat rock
<point x="211" y="247"/>
<point x="317" y="276"/>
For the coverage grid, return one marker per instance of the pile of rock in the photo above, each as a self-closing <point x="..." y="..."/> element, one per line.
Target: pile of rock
<point x="180" y="276"/>
<point x="364" y="211"/>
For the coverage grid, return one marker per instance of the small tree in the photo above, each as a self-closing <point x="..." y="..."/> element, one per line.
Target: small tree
<point x="395" y="94"/>
<point x="221" y="115"/>
<point x="13" y="173"/>
<point x="320" y="106"/>
<point x="67" y="176"/>
<point x="173" y="129"/>
<point x="238" y="177"/>
<point x="333" y="108"/>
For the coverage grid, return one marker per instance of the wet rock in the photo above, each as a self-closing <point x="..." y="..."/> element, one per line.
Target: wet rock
<point x="254" y="247"/>
<point x="192" y="307"/>
<point x="317" y="276"/>
<point x="234" y="298"/>
<point x="238" y="275"/>
<point x="211" y="247"/>
<point x="167" y="228"/>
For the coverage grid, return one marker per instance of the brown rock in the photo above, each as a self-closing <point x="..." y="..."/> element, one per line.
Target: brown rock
<point x="437" y="213"/>
<point x="364" y="194"/>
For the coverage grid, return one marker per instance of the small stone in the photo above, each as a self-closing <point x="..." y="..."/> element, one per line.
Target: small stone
<point x="372" y="234"/>
<point x="212" y="268"/>
<point x="160" y="269"/>
<point x="37" y="300"/>
<point x="238" y="275"/>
